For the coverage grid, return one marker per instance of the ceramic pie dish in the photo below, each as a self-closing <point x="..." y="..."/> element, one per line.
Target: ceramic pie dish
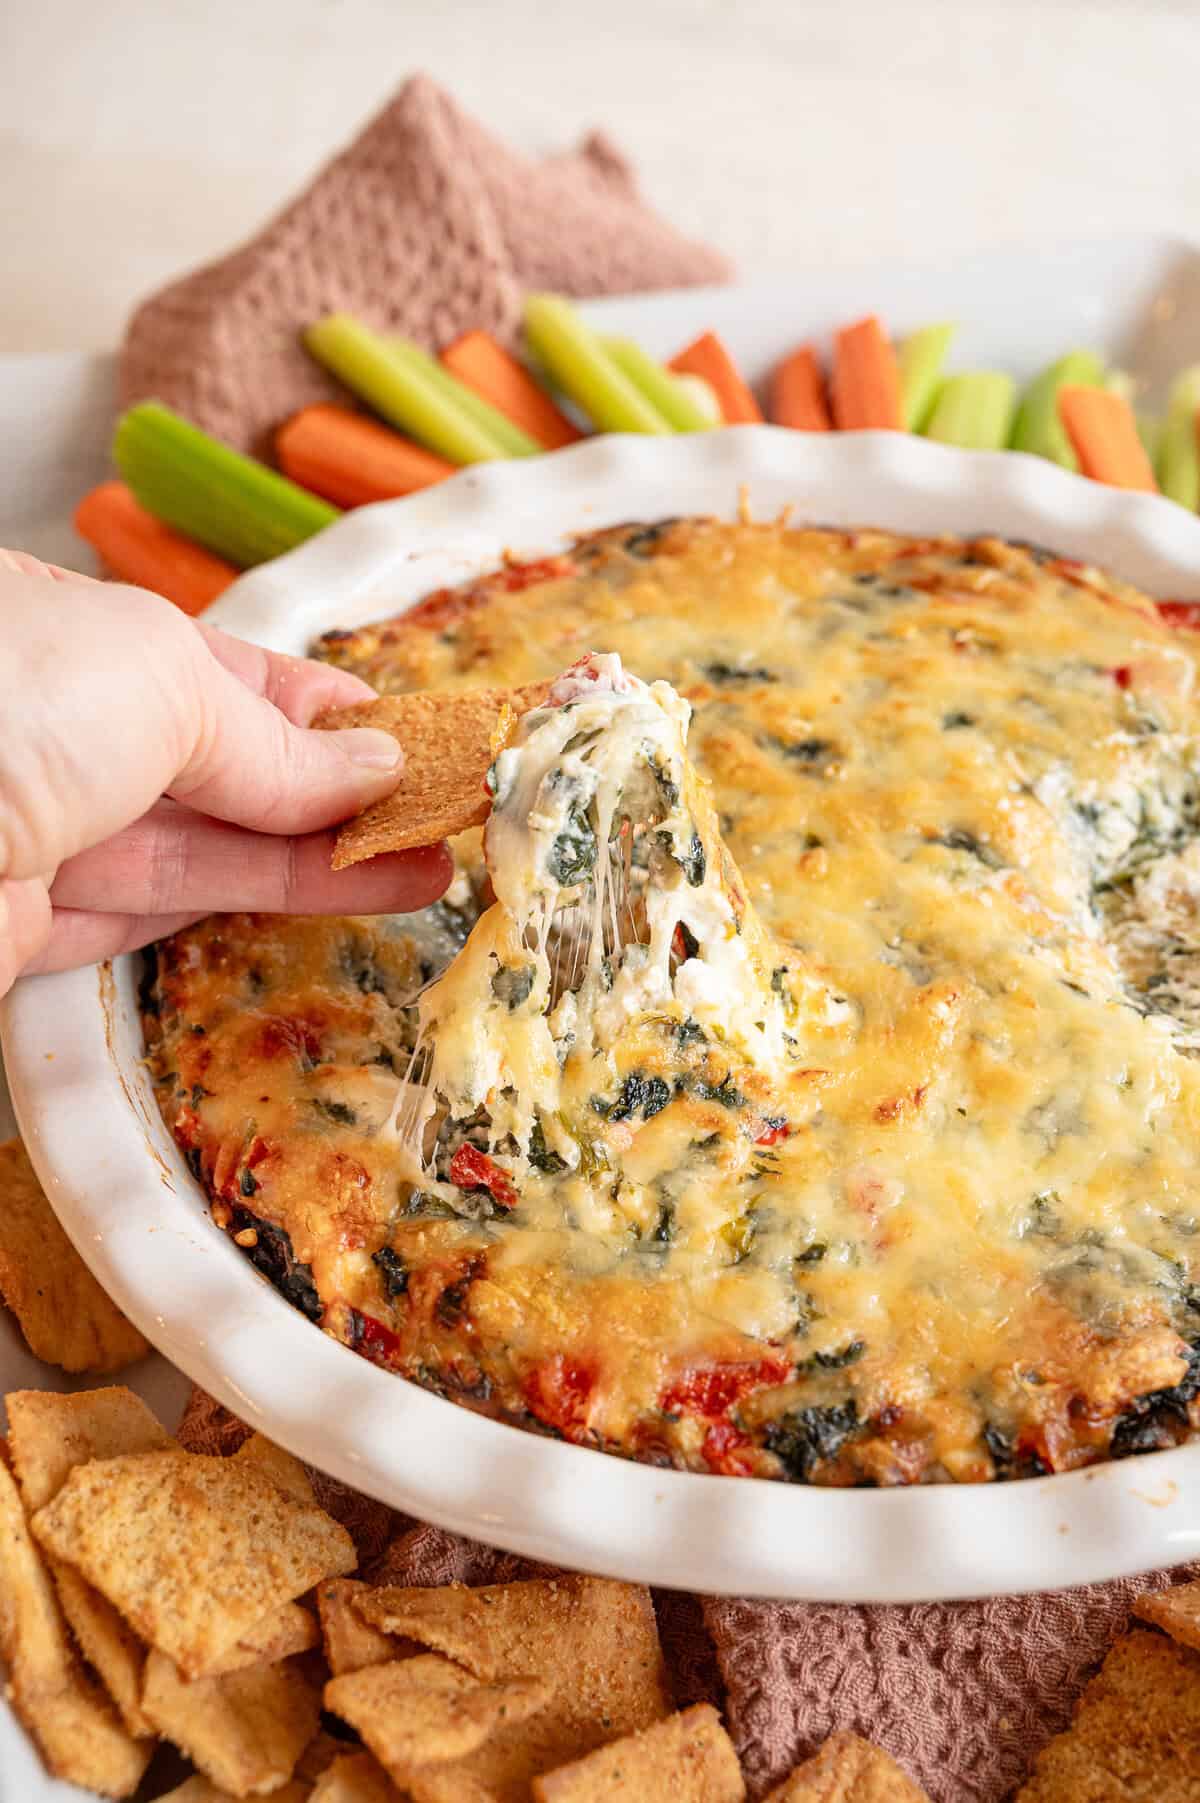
<point x="73" y="1048"/>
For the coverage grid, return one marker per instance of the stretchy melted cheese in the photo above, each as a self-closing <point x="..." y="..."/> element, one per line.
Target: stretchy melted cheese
<point x="616" y="908"/>
<point x="834" y="1116"/>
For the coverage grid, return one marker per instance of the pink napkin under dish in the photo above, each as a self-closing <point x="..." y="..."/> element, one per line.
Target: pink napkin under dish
<point x="962" y="1694"/>
<point x="426" y="225"/>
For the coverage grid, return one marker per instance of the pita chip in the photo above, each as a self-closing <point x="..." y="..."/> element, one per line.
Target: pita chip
<point x="244" y="1731"/>
<point x="202" y="1790"/>
<point x="75" y="1727"/>
<point x="350" y="1643"/>
<point x="355" y="1778"/>
<point x="595" y="1640"/>
<point x="281" y="1467"/>
<point x="424" y="1711"/>
<point x="62" y="1311"/>
<point x="49" y="1435"/>
<point x="688" y="1758"/>
<point x="193" y="1550"/>
<point x="1175" y="1611"/>
<point x="1135" y="1733"/>
<point x="449" y="741"/>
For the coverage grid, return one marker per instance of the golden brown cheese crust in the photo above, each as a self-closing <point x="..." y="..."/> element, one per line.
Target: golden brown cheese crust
<point x="959" y="778"/>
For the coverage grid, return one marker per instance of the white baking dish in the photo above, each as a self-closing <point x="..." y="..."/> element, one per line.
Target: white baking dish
<point x="72" y="1044"/>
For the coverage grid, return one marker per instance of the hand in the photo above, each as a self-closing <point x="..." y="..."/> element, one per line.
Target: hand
<point x="153" y="770"/>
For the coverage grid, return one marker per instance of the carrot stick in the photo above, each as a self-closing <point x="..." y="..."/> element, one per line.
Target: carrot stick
<point x="1104" y="436"/>
<point x="140" y="549"/>
<point x="798" y="392"/>
<point x="496" y="376"/>
<point x="353" y="460"/>
<point x="865" y="389"/>
<point x="708" y="358"/>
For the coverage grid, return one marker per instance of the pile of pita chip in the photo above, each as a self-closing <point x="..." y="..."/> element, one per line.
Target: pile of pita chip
<point x="149" y="1593"/>
<point x="512" y="1681"/>
<point x="64" y="1315"/>
<point x="547" y="1691"/>
<point x="49" y="1435"/>
<point x="196" y="1551"/>
<point x="71" y="1719"/>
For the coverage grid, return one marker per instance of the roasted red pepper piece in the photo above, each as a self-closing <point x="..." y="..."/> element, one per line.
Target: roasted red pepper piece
<point x="373" y="1340"/>
<point x="472" y="1169"/>
<point x="558" y="1393"/>
<point x="441" y="607"/>
<point x="712" y="1390"/>
<point x="1181" y="613"/>
<point x="725" y="1449"/>
<point x="518" y="576"/>
<point x="290" y="1034"/>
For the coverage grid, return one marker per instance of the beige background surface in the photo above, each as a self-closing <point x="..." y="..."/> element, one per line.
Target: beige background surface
<point x="138" y="137"/>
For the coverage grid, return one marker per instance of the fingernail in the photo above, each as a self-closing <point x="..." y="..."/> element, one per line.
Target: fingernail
<point x="371" y="749"/>
<point x="20" y="563"/>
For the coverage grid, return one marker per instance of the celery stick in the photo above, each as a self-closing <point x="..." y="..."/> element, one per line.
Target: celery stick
<point x="579" y="364"/>
<point x="398" y="390"/>
<point x="233" y="505"/>
<point x="1178" y="459"/>
<point x="1150" y="430"/>
<point x="921" y="357"/>
<point x="511" y="439"/>
<point x="663" y="390"/>
<point x="974" y="410"/>
<point x="1038" y="427"/>
<point x="704" y="395"/>
<point x="1119" y="381"/>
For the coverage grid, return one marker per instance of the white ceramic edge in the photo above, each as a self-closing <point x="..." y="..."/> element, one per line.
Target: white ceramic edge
<point x="71" y="1044"/>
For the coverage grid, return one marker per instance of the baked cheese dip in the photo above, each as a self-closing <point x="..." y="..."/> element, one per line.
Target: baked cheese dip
<point x="799" y="1079"/>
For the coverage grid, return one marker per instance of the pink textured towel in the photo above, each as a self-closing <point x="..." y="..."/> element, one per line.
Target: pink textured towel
<point x="962" y="1694"/>
<point x="427" y="226"/>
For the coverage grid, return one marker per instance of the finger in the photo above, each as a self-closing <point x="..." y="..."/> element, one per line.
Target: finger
<point x="299" y="687"/>
<point x="79" y="936"/>
<point x="24" y="927"/>
<point x="97" y="675"/>
<point x="248" y="763"/>
<point x="173" y="859"/>
<point x="23" y="563"/>
<point x="118" y="696"/>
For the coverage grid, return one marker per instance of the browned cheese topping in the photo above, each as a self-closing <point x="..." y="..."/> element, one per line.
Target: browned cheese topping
<point x="946" y="1226"/>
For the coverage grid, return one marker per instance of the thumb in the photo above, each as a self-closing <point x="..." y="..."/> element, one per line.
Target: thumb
<point x="250" y="764"/>
<point x="24" y="926"/>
